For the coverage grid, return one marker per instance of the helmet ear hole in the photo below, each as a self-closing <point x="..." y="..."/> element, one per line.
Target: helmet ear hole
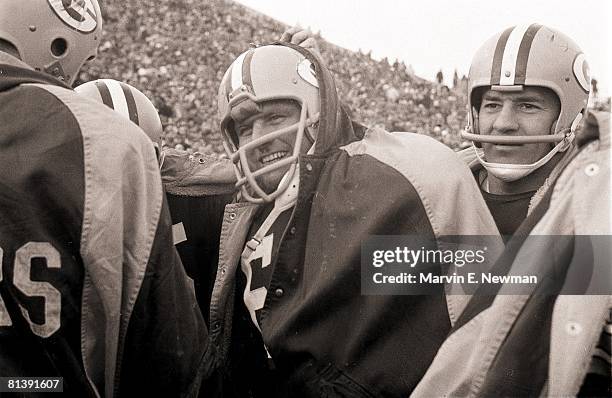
<point x="59" y="47"/>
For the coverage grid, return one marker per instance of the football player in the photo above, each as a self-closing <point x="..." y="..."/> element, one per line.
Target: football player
<point x="288" y="317"/>
<point x="198" y="186"/>
<point x="528" y="90"/>
<point x="91" y="288"/>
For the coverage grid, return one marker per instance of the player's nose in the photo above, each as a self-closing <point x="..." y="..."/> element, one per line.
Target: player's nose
<point x="506" y="119"/>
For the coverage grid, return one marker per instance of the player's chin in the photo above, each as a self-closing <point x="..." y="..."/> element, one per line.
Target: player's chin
<point x="269" y="182"/>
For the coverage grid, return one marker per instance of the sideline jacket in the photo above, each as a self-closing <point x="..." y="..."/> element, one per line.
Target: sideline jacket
<point x="495" y="348"/>
<point x="324" y="336"/>
<point x="91" y="287"/>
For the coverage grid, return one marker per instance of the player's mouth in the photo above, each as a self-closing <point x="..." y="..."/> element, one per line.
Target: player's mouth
<point x="272" y="157"/>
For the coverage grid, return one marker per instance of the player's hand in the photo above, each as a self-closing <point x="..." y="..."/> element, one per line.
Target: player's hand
<point x="301" y="37"/>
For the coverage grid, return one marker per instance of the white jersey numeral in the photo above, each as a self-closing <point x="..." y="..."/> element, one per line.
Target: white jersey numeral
<point x="23" y="282"/>
<point x="255" y="299"/>
<point x="21" y="279"/>
<point x="264" y="251"/>
<point x="5" y="319"/>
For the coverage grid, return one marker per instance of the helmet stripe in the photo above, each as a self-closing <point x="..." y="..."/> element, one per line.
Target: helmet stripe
<point x="91" y="10"/>
<point x="120" y="104"/>
<point x="236" y="77"/>
<point x="131" y="103"/>
<point x="498" y="56"/>
<point x="523" y="53"/>
<point x="508" y="67"/>
<point x="105" y="94"/>
<point x="246" y="70"/>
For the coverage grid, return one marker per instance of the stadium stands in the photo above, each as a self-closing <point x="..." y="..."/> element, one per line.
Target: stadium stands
<point x="176" y="51"/>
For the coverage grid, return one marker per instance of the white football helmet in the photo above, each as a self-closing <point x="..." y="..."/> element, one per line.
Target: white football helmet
<point x="530" y="55"/>
<point x="53" y="36"/>
<point x="127" y="101"/>
<point x="266" y="73"/>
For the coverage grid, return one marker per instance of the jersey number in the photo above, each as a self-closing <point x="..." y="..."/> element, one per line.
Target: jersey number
<point x="22" y="281"/>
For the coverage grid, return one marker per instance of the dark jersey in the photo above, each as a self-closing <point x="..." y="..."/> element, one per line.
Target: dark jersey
<point x="197" y="225"/>
<point x="41" y="208"/>
<point x="198" y="187"/>
<point x="91" y="287"/>
<point x="508" y="211"/>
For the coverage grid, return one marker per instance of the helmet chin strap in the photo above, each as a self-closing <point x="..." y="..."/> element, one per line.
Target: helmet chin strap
<point x="509" y="172"/>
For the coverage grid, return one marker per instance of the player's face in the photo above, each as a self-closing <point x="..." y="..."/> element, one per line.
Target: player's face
<point x="271" y="116"/>
<point x="531" y="111"/>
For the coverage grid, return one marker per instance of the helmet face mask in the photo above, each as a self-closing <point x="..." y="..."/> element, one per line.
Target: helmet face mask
<point x="266" y="74"/>
<point x="53" y="36"/>
<point x="524" y="56"/>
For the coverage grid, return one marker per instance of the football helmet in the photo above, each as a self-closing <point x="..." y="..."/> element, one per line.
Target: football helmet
<point x="530" y="55"/>
<point x="54" y="36"/>
<point x="266" y="73"/>
<point x="127" y="101"/>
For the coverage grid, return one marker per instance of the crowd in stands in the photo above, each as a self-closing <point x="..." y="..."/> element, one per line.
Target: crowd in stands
<point x="176" y="52"/>
<point x="390" y="95"/>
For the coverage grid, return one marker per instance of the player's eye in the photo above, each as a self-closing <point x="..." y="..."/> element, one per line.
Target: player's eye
<point x="276" y="118"/>
<point x="491" y="106"/>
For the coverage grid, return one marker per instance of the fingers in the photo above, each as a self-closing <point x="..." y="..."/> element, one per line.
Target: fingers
<point x="311" y="44"/>
<point x="288" y="34"/>
<point x="300" y="36"/>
